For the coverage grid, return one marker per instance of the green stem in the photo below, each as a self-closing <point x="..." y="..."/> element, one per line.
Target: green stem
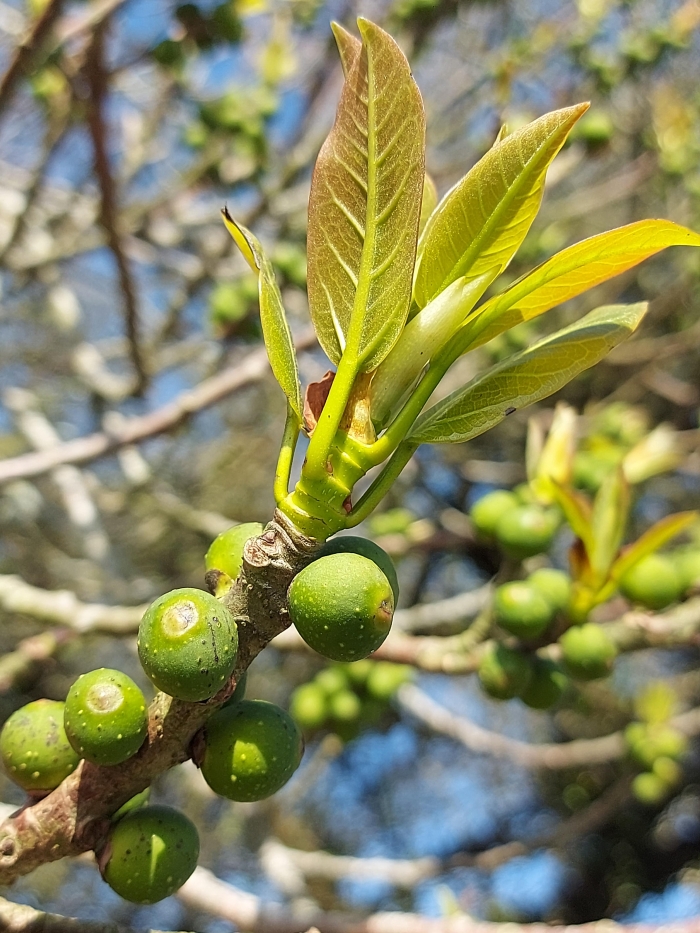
<point x="284" y="461"/>
<point x="381" y="485"/>
<point x="330" y="418"/>
<point x="402" y="424"/>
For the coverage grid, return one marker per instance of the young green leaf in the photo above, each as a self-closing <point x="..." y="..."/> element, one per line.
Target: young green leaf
<point x="364" y="206"/>
<point x="424" y="336"/>
<point x="349" y="46"/>
<point x="574" y="270"/>
<point x="610" y="514"/>
<point x="528" y="376"/>
<point x="651" y="541"/>
<point x="429" y="202"/>
<point x="577" y="512"/>
<point x="483" y="220"/>
<point x="278" y="338"/>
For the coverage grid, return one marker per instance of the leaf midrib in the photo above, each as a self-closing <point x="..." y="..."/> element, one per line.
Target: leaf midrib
<point x="503" y="204"/>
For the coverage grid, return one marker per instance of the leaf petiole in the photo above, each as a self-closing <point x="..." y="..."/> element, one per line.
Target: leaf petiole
<point x="381" y="485"/>
<point x="286" y="456"/>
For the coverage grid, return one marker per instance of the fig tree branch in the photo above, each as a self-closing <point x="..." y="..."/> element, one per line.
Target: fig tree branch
<point x="109" y="210"/>
<point x="26" y="51"/>
<point x="75" y="817"/>
<point x="549" y="755"/>
<point x="250" y="369"/>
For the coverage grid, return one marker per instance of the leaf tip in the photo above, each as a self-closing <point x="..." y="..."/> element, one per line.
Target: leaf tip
<point x="242" y="239"/>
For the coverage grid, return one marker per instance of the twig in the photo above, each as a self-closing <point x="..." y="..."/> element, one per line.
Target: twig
<point x="551" y="755"/>
<point x="84" y="449"/>
<point x="20" y="918"/>
<point x="27" y="49"/>
<point x="204" y="891"/>
<point x="62" y="607"/>
<point x="109" y="211"/>
<point x="16" y="666"/>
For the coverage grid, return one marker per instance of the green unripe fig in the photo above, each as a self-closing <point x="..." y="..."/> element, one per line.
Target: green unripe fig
<point x="521" y="610"/>
<point x="250" y="750"/>
<point x="647" y="743"/>
<point x="587" y="652"/>
<point x="309" y="706"/>
<point x="332" y="679"/>
<point x="135" y="803"/>
<point x="353" y="544"/>
<point x="239" y="690"/>
<point x="34" y="747"/>
<point x="489" y="509"/>
<point x="149" y="854"/>
<point x="342" y="606"/>
<point x="345" y="706"/>
<point x="527" y="530"/>
<point x="668" y="770"/>
<point x="359" y="671"/>
<point x="653" y="582"/>
<point x="504" y="673"/>
<point x="688" y="567"/>
<point x="649" y="788"/>
<point x="547" y="684"/>
<point x="106" y="717"/>
<point x="187" y="644"/>
<point x="385" y="678"/>
<point x="226" y="551"/>
<point x="554" y="585"/>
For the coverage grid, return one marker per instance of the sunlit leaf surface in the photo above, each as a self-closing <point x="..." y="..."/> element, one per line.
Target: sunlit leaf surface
<point x="483" y="220"/>
<point x="278" y="337"/>
<point x="527" y="377"/>
<point x="365" y="204"/>
<point x="576" y="269"/>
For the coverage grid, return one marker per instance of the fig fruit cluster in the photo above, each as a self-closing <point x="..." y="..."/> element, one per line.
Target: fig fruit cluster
<point x="521" y="526"/>
<point x="527" y="608"/>
<point x="657" y="748"/>
<point x="587" y="653"/>
<point x="342" y="697"/>
<point x="187" y="645"/>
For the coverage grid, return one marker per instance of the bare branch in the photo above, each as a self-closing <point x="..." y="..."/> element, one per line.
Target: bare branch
<point x="204" y="891"/>
<point x="84" y="449"/>
<point x="109" y="211"/>
<point x="27" y="49"/>
<point x="550" y="755"/>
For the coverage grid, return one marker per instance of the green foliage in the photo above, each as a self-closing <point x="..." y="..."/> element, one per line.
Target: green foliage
<point x="278" y="337"/>
<point x="187" y="644"/>
<point x="364" y="207"/>
<point x="149" y="854"/>
<point x="342" y="606"/>
<point x="34" y="748"/>
<point x="527" y="377"/>
<point x="483" y="220"/>
<point x="105" y="717"/>
<point x="251" y="750"/>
